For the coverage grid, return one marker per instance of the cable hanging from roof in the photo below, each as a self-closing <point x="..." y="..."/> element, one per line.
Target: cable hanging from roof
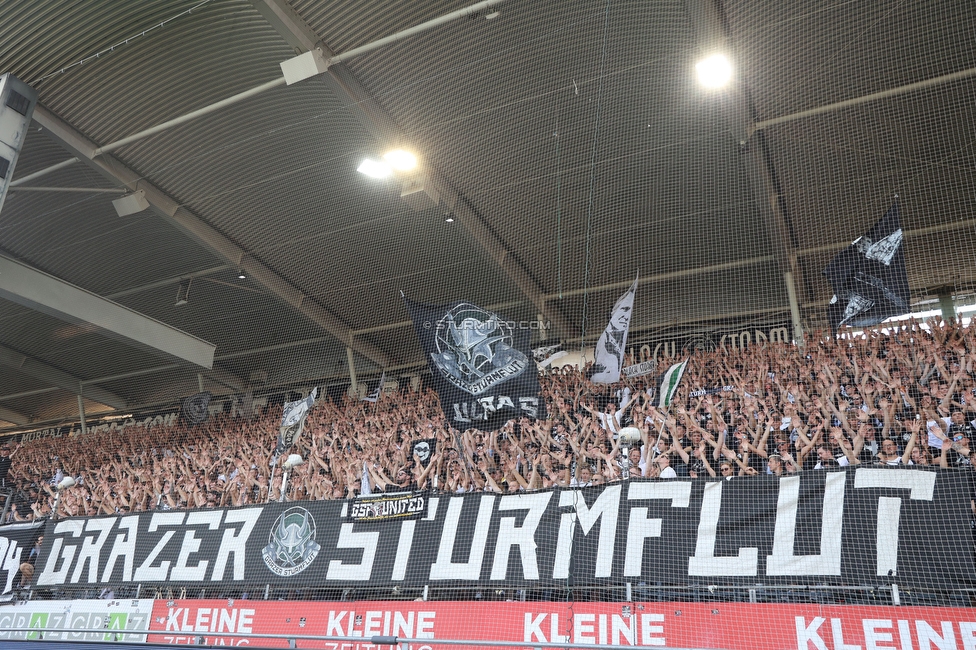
<point x="121" y="43"/>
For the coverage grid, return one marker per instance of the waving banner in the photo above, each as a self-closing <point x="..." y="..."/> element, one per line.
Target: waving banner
<point x="16" y="542"/>
<point x="481" y="363"/>
<point x="869" y="277"/>
<point x="852" y="527"/>
<point x="293" y="420"/>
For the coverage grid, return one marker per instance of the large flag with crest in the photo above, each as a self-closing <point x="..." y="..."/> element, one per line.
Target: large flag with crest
<point x="610" y="349"/>
<point x="869" y="278"/>
<point x="481" y="364"/>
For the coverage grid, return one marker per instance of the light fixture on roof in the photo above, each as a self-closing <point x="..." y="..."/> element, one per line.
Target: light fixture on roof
<point x="401" y="160"/>
<point x="375" y="168"/>
<point x="714" y="71"/>
<point x="131" y="203"/>
<point x="241" y="275"/>
<point x="183" y="292"/>
<point x="449" y="219"/>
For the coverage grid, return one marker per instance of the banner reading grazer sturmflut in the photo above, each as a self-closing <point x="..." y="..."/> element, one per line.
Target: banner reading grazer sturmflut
<point x="861" y="526"/>
<point x="481" y="363"/>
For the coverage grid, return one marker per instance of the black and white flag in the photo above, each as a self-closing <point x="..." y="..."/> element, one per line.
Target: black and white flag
<point x="609" y="353"/>
<point x="424" y="450"/>
<point x="546" y="355"/>
<point x="481" y="364"/>
<point x="293" y="420"/>
<point x="196" y="408"/>
<point x="869" y="278"/>
<point x="374" y="394"/>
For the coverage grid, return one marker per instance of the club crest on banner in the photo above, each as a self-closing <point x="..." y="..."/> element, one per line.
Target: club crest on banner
<point x="196" y="408"/>
<point x="480" y="363"/>
<point x="291" y="545"/>
<point x="475" y="349"/>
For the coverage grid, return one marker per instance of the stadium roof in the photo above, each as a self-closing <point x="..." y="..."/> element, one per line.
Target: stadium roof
<point x="569" y="142"/>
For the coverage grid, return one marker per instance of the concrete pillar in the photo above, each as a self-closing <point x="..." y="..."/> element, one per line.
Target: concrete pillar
<point x="947" y="306"/>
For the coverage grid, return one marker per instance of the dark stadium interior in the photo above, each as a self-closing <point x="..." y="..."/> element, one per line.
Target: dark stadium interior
<point x="574" y="134"/>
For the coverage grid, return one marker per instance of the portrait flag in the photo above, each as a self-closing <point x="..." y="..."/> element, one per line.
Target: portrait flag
<point x="481" y="364"/>
<point x="609" y="352"/>
<point x="293" y="420"/>
<point x="869" y="278"/>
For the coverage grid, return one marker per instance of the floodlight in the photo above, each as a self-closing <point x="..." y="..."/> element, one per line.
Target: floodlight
<point x="401" y="160"/>
<point x="131" y="203"/>
<point x="629" y="436"/>
<point x="714" y="71"/>
<point x="183" y="292"/>
<point x="241" y="275"/>
<point x="375" y="168"/>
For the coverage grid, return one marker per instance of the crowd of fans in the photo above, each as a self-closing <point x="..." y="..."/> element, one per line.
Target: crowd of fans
<point x="903" y="398"/>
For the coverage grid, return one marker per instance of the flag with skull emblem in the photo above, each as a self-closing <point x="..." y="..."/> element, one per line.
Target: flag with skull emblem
<point x="424" y="450"/>
<point x="481" y="363"/>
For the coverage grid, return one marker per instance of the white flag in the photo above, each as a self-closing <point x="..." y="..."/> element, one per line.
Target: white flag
<point x="293" y="421"/>
<point x="376" y="392"/>
<point x="365" y="490"/>
<point x="609" y="353"/>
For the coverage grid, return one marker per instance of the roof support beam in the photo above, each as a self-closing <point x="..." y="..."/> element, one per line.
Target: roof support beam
<point x="10" y="415"/>
<point x="196" y="228"/>
<point x="51" y="375"/>
<point x="710" y="25"/>
<point x="873" y="97"/>
<point x="283" y="17"/>
<point x="36" y="290"/>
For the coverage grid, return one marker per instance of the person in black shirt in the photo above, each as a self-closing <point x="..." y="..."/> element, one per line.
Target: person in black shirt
<point x="5" y="462"/>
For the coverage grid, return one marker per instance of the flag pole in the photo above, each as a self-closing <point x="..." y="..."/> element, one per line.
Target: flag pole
<point x="271" y="480"/>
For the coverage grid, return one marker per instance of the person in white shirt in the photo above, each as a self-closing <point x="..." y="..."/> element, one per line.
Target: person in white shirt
<point x="664" y="463"/>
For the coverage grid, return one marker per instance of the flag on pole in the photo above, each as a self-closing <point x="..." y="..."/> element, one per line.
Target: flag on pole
<point x="609" y="353"/>
<point x="480" y="362"/>
<point x="293" y="420"/>
<point x="869" y="277"/>
<point x="374" y="394"/>
<point x="364" y="488"/>
<point x="668" y="384"/>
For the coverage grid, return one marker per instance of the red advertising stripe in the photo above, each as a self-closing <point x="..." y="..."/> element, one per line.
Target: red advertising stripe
<point x="734" y="626"/>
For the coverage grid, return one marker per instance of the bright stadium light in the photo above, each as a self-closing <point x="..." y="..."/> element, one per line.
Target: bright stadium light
<point x="375" y="168"/>
<point x="714" y="71"/>
<point x="401" y="160"/>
